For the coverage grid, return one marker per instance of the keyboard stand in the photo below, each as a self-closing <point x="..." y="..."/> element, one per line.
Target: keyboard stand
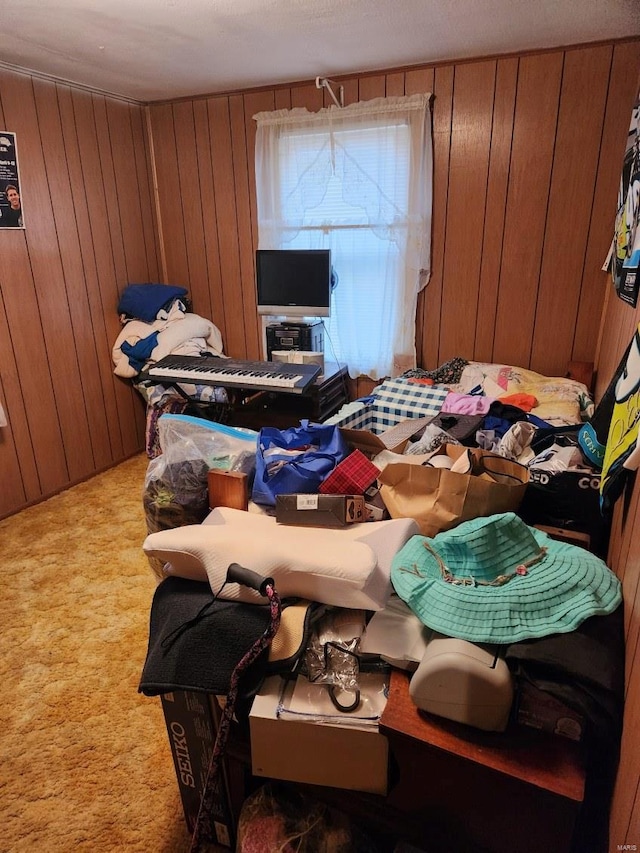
<point x="254" y="409"/>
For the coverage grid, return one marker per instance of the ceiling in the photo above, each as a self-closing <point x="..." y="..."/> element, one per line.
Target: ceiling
<point x="150" y="50"/>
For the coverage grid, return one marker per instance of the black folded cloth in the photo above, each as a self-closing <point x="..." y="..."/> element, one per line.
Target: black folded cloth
<point x="196" y="641"/>
<point x="584" y="670"/>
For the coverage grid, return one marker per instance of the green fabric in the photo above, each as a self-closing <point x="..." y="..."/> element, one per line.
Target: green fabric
<point x="554" y="595"/>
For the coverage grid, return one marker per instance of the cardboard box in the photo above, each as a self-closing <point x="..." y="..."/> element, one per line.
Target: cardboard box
<point x="374" y="505"/>
<point x="190" y="718"/>
<point x="314" y="753"/>
<point x="316" y="510"/>
<point x="364" y="428"/>
<point x="541" y="710"/>
<point x="369" y="443"/>
<point x="353" y="476"/>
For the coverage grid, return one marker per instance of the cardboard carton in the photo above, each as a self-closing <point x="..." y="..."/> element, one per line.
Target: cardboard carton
<point x="316" y="510"/>
<point x="190" y="720"/>
<point x="314" y="753"/>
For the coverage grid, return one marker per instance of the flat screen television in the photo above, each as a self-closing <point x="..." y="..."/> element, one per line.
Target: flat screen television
<point x="294" y="282"/>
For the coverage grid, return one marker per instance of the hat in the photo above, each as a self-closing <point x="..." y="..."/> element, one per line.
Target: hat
<point x="496" y="580"/>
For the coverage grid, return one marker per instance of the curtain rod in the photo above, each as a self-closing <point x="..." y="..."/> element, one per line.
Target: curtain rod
<point x="323" y="83"/>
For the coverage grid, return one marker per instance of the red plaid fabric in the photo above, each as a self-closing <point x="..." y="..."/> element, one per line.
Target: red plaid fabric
<point x="352" y="476"/>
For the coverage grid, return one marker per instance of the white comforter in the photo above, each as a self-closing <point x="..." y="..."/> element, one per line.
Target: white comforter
<point x="179" y="333"/>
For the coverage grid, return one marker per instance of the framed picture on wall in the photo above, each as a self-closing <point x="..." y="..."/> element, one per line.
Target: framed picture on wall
<point x="10" y="197"/>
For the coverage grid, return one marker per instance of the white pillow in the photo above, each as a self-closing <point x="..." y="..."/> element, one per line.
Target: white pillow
<point x="348" y="567"/>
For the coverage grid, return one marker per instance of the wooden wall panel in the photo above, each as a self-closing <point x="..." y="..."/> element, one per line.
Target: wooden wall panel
<point x="44" y="360"/>
<point x="171" y="218"/>
<point x="93" y="231"/>
<point x="619" y="324"/>
<point x="495" y="210"/>
<point x="81" y="276"/>
<point x="75" y="304"/>
<point x="577" y="147"/>
<point x="245" y="216"/>
<point x="234" y="334"/>
<point x="189" y="198"/>
<point x="415" y="82"/>
<point x="474" y="87"/>
<point x="13" y="485"/>
<point x="211" y="302"/>
<point x="144" y="182"/>
<point x="626" y="56"/>
<point x="87" y="230"/>
<point x="254" y="103"/>
<point x="115" y="194"/>
<point x="442" y="102"/>
<point x="534" y="131"/>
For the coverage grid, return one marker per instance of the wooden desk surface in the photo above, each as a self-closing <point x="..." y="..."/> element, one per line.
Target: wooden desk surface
<point x="549" y="762"/>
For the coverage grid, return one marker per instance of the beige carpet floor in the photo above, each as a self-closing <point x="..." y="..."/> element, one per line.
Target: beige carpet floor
<point x="85" y="763"/>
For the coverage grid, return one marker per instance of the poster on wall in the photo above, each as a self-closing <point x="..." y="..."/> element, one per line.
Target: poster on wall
<point x="622" y="452"/>
<point x="10" y="199"/>
<point x="625" y="249"/>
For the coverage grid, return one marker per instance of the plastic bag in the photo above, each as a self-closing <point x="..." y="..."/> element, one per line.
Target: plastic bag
<point x="331" y="656"/>
<point x="176" y="482"/>
<point x="281" y="818"/>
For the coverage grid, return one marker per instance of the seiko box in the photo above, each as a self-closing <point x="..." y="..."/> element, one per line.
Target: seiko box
<point x="191" y="725"/>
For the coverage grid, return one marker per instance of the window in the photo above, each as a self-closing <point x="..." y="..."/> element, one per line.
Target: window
<point x="356" y="180"/>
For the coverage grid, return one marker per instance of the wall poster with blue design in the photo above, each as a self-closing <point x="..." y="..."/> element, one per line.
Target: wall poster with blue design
<point x="625" y="249"/>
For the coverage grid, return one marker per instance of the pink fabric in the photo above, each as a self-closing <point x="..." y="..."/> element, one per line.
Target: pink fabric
<point x="467" y="404"/>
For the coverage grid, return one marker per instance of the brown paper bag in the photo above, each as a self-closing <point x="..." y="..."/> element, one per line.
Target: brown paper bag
<point x="439" y="499"/>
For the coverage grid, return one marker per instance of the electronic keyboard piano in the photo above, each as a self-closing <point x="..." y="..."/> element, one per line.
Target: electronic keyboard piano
<point x="233" y="373"/>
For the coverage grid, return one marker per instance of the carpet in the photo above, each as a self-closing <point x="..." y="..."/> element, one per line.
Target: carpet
<point x="86" y="764"/>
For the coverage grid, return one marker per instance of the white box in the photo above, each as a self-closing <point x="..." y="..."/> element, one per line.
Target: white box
<point x="293" y="356"/>
<point x="315" y="753"/>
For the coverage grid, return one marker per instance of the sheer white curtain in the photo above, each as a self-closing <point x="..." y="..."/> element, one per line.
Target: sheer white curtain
<point x="356" y="180"/>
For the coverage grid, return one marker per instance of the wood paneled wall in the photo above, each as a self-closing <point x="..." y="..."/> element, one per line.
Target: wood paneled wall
<point x="527" y="154"/>
<point x="619" y="325"/>
<point x="87" y="194"/>
<point x="526" y="162"/>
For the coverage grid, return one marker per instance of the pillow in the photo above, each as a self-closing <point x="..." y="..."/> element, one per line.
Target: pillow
<point x="348" y="568"/>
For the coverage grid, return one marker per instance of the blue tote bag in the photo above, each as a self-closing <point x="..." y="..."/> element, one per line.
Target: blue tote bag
<point x="295" y="460"/>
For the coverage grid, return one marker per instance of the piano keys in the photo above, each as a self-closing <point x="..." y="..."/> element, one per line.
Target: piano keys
<point x="233" y="373"/>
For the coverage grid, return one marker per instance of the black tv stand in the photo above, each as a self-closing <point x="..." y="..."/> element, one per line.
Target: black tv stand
<point x="321" y="400"/>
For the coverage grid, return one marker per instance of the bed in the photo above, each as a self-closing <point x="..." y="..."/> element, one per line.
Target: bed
<point x="514" y="412"/>
<point x="558" y="401"/>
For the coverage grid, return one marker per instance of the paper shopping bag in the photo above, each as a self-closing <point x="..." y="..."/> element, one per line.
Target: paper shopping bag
<point x="440" y="499"/>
